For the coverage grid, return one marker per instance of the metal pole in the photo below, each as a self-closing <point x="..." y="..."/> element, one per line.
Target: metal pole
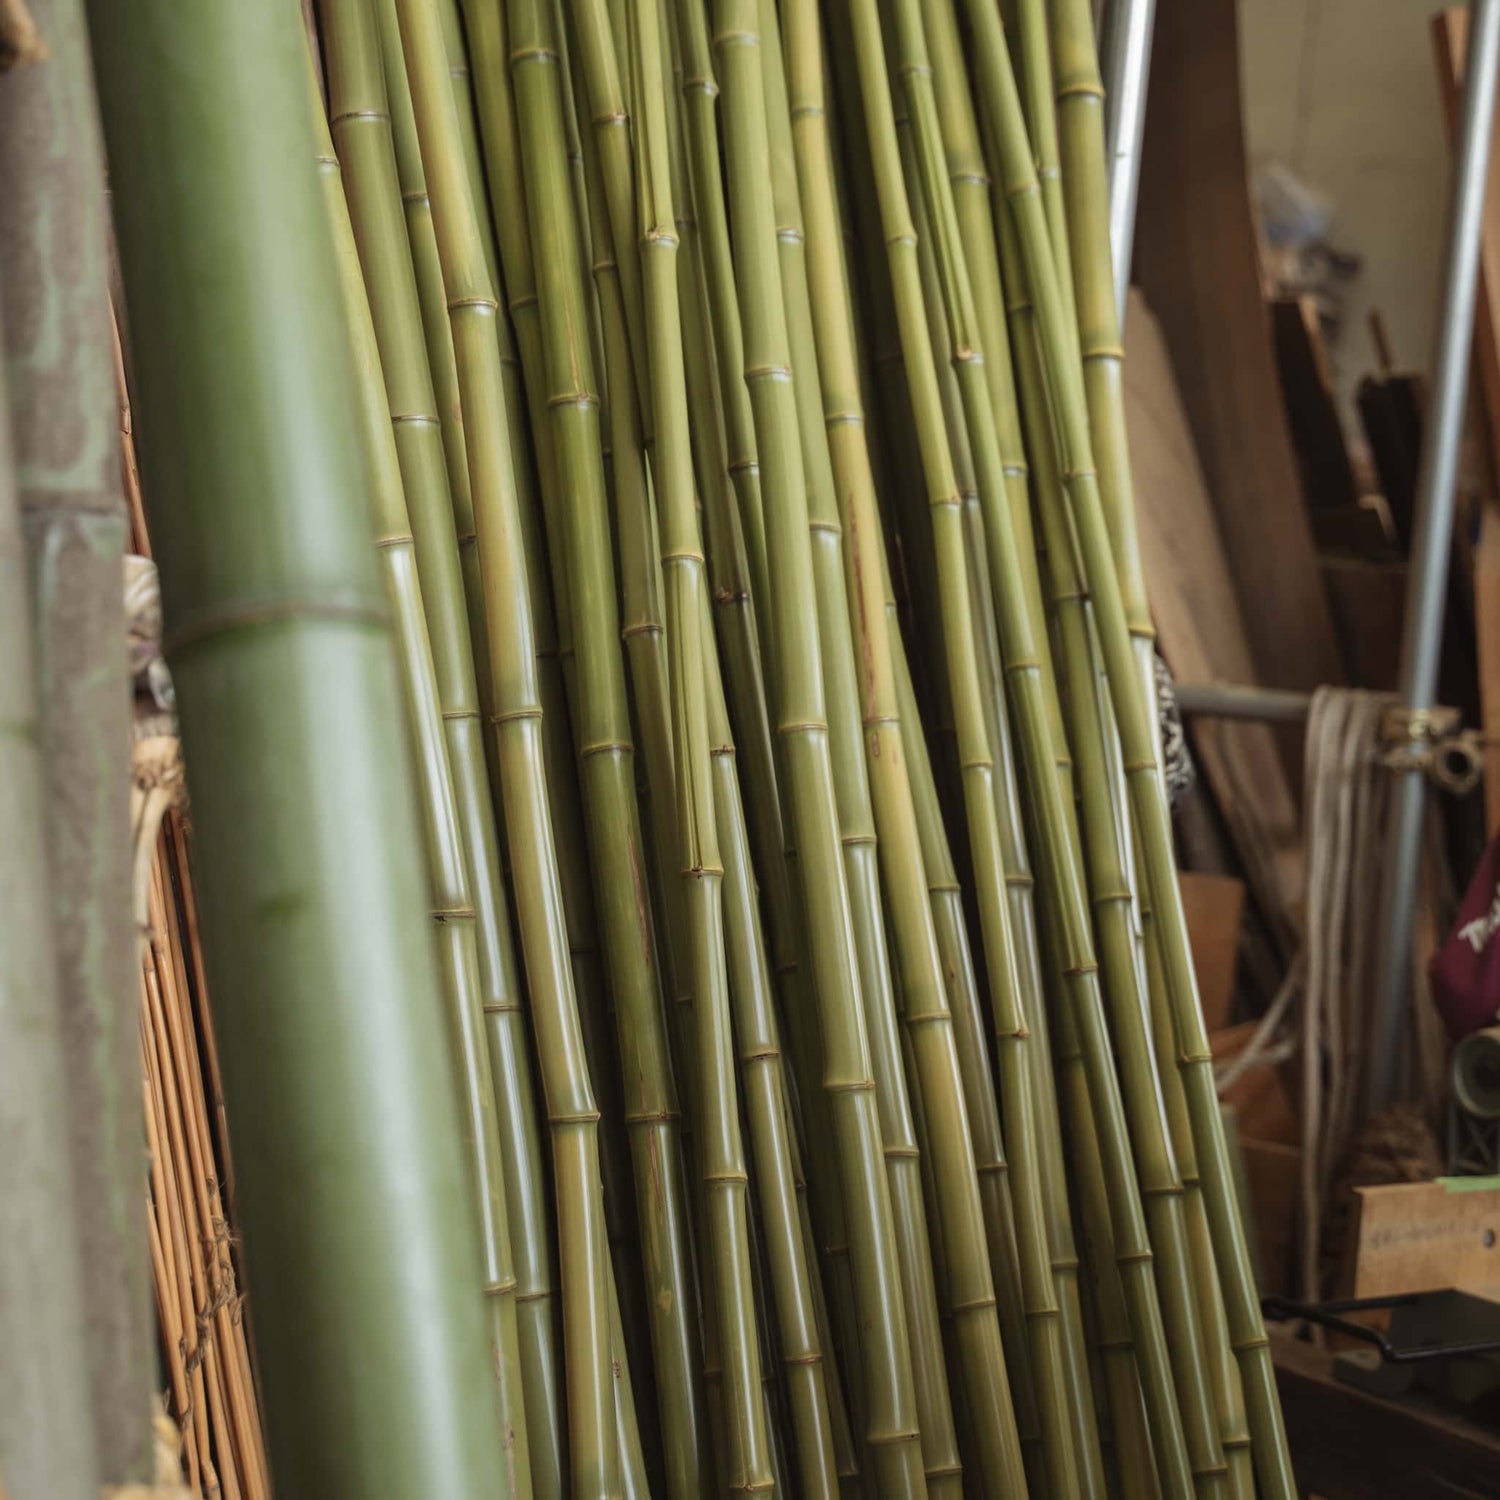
<point x="1223" y="700"/>
<point x="1422" y="630"/>
<point x="1125" y="65"/>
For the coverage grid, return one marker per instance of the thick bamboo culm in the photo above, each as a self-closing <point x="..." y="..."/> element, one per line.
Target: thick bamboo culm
<point x="826" y="1061"/>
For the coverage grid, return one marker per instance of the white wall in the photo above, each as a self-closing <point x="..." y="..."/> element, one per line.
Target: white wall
<point x="1345" y="93"/>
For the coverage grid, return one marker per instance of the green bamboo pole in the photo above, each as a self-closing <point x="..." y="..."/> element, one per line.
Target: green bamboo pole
<point x="1138" y="740"/>
<point x="856" y="817"/>
<point x="741" y="668"/>
<point x="321" y="967"/>
<point x="929" y="1025"/>
<point x="801" y="724"/>
<point x="1060" y="863"/>
<point x="732" y="532"/>
<point x="700" y="92"/>
<point x="362" y="137"/>
<point x="597" y="50"/>
<point x="823" y="1450"/>
<point x="44" y="1393"/>
<point x="59" y="379"/>
<point x="609" y="790"/>
<point x="548" y="583"/>
<point x="1085" y="186"/>
<point x="451" y="906"/>
<point x="695" y="679"/>
<point x="1112" y="899"/>
<point x="569" y="1096"/>
<point x="1229" y="1398"/>
<point x="1116" y="1344"/>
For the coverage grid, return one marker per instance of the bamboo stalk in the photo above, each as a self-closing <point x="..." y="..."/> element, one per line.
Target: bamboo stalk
<point x="570" y="1103"/>
<point x="941" y="1458"/>
<point x="362" y="136"/>
<point x="929" y="1026"/>
<point x="451" y="908"/>
<point x="801" y="723"/>
<point x="1147" y="793"/>
<point x="58" y="383"/>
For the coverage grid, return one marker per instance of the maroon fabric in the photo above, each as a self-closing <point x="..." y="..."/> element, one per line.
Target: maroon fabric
<point x="1465" y="971"/>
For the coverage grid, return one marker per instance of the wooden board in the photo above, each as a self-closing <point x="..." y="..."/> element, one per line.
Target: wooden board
<point x="1425" y="1236"/>
<point x="1213" y="905"/>
<point x="1197" y="262"/>
<point x="1311" y="410"/>
<point x="1368" y="600"/>
<point x="1200" y="627"/>
<point x="1349" y="1445"/>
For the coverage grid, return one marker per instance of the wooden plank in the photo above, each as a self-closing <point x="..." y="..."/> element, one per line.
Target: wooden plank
<point x="1425" y="1236"/>
<point x="1213" y="905"/>
<point x="1311" y="409"/>
<point x="1200" y="628"/>
<point x="1196" y="260"/>
<point x="1349" y="1445"/>
<point x="1368" y="600"/>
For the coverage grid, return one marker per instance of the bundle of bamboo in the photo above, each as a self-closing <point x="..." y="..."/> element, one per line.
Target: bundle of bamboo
<point x="851" y="959"/>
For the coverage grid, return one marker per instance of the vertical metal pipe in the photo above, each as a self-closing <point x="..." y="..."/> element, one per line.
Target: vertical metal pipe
<point x="1422" y="630"/>
<point x="1125" y="63"/>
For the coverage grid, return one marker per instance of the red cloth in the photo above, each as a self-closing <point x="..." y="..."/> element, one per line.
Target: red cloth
<point x="1465" y="971"/>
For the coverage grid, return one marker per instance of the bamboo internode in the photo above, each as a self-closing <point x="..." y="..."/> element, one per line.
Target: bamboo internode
<point x="731" y="394"/>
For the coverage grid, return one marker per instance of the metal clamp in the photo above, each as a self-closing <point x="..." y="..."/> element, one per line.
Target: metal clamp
<point x="1430" y="740"/>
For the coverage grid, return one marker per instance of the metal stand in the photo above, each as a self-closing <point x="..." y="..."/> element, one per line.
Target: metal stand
<point x="1423" y="626"/>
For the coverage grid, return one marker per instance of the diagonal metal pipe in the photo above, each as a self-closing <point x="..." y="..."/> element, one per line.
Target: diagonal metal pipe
<point x="1422" y="629"/>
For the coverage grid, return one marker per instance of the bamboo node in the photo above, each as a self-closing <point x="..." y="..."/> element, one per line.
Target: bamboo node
<point x="812" y="1358"/>
<point x="453" y="714"/>
<point x="652" y="1116"/>
<point x="1015" y="471"/>
<point x="705" y="86"/>
<point x="901" y="1153"/>
<point x="844" y="419"/>
<point x="533" y="54"/>
<point x="412" y="419"/>
<point x="274" y="612"/>
<point x="1147" y="764"/>
<point x="1133" y="1257"/>
<point x="807" y="112"/>
<point x="683" y="555"/>
<point x="1070" y="474"/>
<point x="489" y="304"/>
<point x="612" y="117"/>
<point x="948" y="887"/>
<point x="729" y="1177"/>
<point x="1073" y="971"/>
<point x="1084" y="89"/>
<point x="1110" y="352"/>
<point x="992" y="1168"/>
<point x="581" y="399"/>
<point x="881" y="721"/>
<point x="505" y="1288"/>
<point x="511" y="714"/>
<point x="789" y="234"/>
<point x="642" y="627"/>
<point x="605" y="747"/>
<point x="502" y="1008"/>
<point x="768" y="372"/>
<point x="892" y="1439"/>
<point x="575" y="1117"/>
<point x="359" y="114"/>
<point x="452" y="913"/>
<point x="1023" y="664"/>
<point x="854" y="1086"/>
<point x="1111" y="898"/>
<point x="540" y="1296"/>
<point x="736" y="38"/>
<point x="416" y="195"/>
<point x="803" y="726"/>
<point x="767" y="1053"/>
<point x="1022" y="881"/>
<point x="744" y="466"/>
<point x="893" y="240"/>
<point x="828" y="528"/>
<point x="945" y="502"/>
<point x="974" y="1304"/>
<point x="963" y="354"/>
